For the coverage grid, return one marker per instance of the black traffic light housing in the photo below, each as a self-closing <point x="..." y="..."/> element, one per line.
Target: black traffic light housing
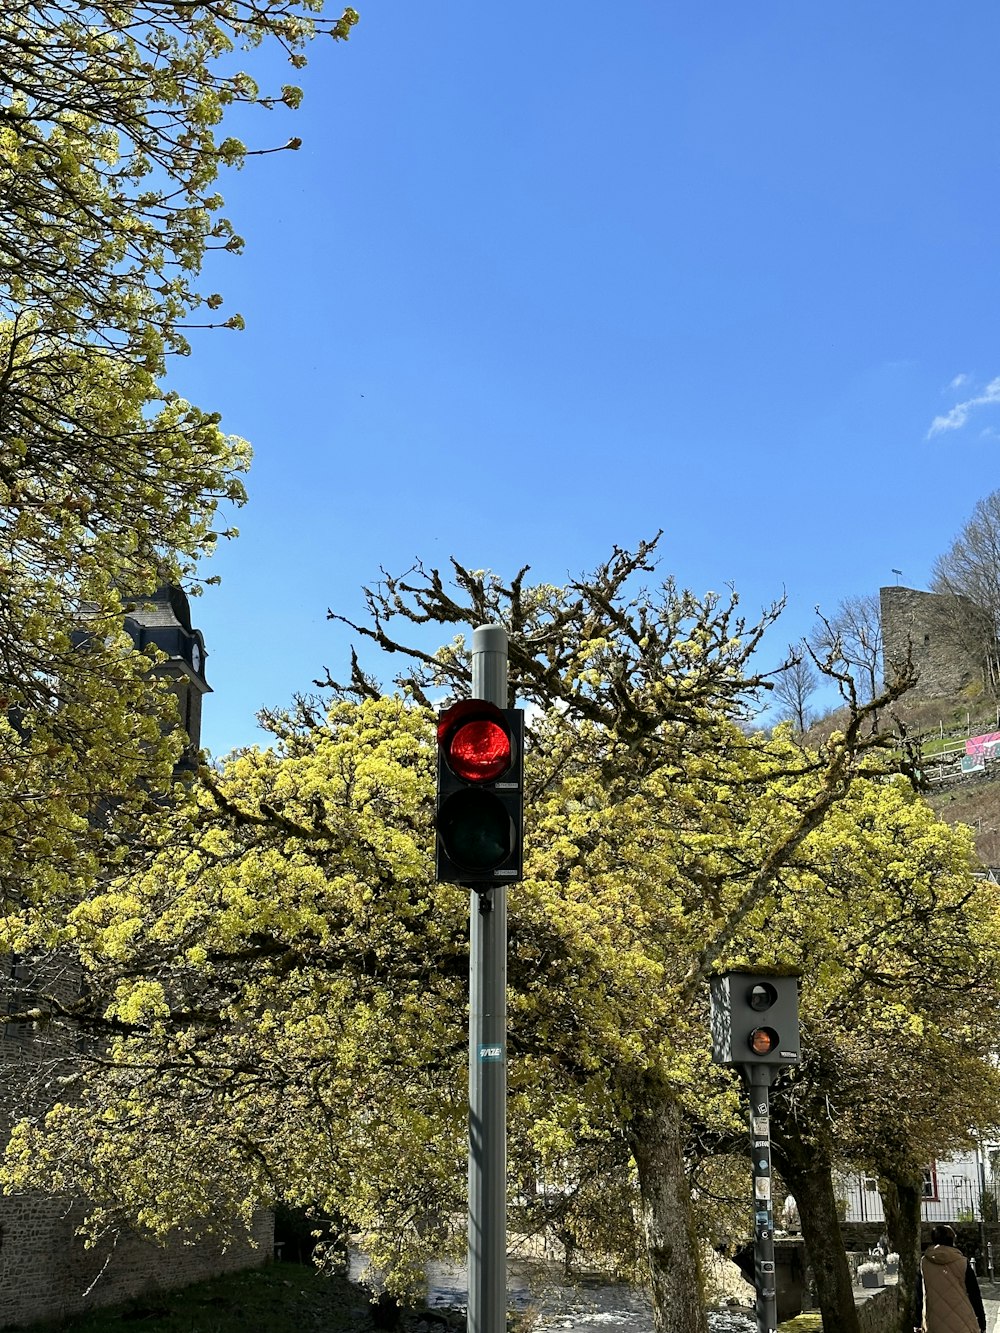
<point x="755" y="1019"/>
<point x="480" y="794"/>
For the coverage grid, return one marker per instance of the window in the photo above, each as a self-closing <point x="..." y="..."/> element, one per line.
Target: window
<point x="18" y="997"/>
<point x="930" y="1185"/>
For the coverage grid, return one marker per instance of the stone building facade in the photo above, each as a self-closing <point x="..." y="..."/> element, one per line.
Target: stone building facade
<point x="45" y="1270"/>
<point x="924" y="624"/>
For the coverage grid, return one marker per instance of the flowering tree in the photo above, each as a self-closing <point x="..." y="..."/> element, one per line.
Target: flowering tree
<point x="282" y="985"/>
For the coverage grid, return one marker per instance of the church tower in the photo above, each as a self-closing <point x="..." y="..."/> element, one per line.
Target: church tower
<point x="164" y="619"/>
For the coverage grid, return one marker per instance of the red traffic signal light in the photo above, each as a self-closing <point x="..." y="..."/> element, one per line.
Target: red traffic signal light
<point x="479" y="797"/>
<point x="478" y="750"/>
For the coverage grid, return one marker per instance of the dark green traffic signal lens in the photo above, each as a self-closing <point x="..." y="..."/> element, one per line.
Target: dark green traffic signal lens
<point x="476" y="830"/>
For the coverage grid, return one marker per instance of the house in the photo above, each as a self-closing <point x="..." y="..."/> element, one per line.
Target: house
<point x="954" y="1189"/>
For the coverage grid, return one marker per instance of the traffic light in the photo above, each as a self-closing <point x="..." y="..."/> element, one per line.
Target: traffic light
<point x="755" y="1019"/>
<point x="479" y="794"/>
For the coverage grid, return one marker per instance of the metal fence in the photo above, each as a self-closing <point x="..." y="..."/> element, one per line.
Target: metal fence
<point x="949" y="1198"/>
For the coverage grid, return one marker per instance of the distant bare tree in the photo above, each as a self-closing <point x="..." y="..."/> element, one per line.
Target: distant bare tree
<point x="793" y="689"/>
<point x="968" y="576"/>
<point x="853" y="637"/>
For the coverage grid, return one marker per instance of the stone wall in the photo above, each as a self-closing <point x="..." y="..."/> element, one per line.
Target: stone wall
<point x="924" y="624"/>
<point x="878" y="1313"/>
<point x="46" y="1273"/>
<point x="862" y="1237"/>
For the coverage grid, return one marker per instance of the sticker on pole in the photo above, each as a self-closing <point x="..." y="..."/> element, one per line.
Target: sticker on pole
<point x="491" y="1055"/>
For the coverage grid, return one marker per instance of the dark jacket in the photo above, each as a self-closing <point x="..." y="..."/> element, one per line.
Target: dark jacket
<point x="947" y="1285"/>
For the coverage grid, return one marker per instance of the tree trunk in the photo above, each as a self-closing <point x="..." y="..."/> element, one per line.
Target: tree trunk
<point x="656" y="1135"/>
<point x="902" y="1200"/>
<point x="810" y="1179"/>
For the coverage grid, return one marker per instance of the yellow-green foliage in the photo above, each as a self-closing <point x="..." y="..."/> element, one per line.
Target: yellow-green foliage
<point x="101" y="496"/>
<point x="284" y="986"/>
<point x="289" y="985"/>
<point x="109" y="485"/>
<point x="109" y="154"/>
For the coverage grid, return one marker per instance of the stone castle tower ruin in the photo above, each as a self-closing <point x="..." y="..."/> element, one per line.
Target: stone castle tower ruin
<point x="938" y="633"/>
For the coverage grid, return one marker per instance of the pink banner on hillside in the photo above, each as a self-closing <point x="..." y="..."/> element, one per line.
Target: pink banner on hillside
<point x="983" y="745"/>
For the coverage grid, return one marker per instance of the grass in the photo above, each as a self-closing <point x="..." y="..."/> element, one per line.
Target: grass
<point x="281" y="1298"/>
<point x="947" y="746"/>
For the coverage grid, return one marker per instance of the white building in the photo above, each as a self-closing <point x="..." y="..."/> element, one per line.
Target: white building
<point x="953" y="1189"/>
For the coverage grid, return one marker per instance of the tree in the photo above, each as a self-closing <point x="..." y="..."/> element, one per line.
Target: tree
<point x="109" y="484"/>
<point x="901" y="965"/>
<point x="109" y="157"/>
<point x="282" y="969"/>
<point x="853" y="636"/>
<point x="586" y="988"/>
<point x="794" y="687"/>
<point x="967" y="577"/>
<point x="100" y="498"/>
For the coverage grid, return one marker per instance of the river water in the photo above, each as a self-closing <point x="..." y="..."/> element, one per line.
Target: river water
<point x="578" y="1305"/>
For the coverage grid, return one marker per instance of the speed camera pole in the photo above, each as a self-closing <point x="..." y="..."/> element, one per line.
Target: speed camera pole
<point x="758" y="1079"/>
<point x="755" y="1027"/>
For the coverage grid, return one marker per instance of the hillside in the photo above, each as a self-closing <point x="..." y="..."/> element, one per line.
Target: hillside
<point x="942" y="726"/>
<point x="977" y="803"/>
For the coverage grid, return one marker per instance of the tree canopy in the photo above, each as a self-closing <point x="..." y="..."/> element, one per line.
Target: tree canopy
<point x="110" y="149"/>
<point x="278" y="976"/>
<point x="967" y="578"/>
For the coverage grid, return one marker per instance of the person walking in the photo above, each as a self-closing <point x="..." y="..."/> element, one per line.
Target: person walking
<point x="948" y="1295"/>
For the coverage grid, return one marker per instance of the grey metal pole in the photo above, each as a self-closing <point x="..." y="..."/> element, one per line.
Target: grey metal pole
<point x="758" y="1079"/>
<point x="489" y="664"/>
<point x="981" y="1182"/>
<point x="488" y="1050"/>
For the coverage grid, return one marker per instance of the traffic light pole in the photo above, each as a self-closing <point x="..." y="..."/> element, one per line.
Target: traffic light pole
<point x="488" y="1050"/>
<point x="758" y="1079"/>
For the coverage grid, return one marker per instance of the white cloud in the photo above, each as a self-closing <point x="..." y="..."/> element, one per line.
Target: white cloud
<point x="960" y="381"/>
<point x="959" y="414"/>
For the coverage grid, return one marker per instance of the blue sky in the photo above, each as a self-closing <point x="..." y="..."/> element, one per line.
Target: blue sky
<point x="541" y="282"/>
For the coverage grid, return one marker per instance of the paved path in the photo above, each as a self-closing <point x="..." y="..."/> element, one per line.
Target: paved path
<point x="991" y="1303"/>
